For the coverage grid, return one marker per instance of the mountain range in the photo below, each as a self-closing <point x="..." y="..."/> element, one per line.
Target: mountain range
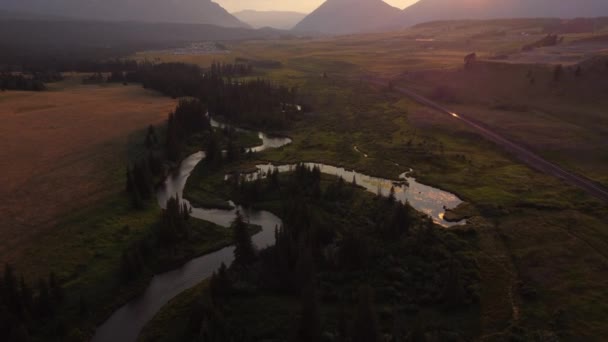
<point x="431" y="10"/>
<point x="348" y="16"/>
<point x="333" y="17"/>
<point x="276" y="19"/>
<point x="353" y="16"/>
<point x="174" y="11"/>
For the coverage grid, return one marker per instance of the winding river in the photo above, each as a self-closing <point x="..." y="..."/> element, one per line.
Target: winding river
<point x="126" y="323"/>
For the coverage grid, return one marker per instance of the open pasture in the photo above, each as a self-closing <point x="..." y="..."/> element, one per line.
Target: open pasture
<point x="64" y="149"/>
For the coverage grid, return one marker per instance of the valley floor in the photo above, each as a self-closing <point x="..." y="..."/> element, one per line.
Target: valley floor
<point x="65" y="149"/>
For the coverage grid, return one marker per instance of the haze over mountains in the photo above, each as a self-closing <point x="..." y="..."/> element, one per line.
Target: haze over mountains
<point x="431" y="10"/>
<point x="333" y="17"/>
<point x="349" y="16"/>
<point x="275" y="19"/>
<point x="175" y="11"/>
<point x="354" y="16"/>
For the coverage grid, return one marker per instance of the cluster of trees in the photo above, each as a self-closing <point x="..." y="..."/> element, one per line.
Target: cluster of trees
<point x="231" y="70"/>
<point x="141" y="174"/>
<point x="548" y="40"/>
<point x="338" y="248"/>
<point x="172" y="79"/>
<point x="304" y="181"/>
<point x="172" y="228"/>
<point x="113" y="77"/>
<point x="174" y="225"/>
<point x="256" y="103"/>
<point x="260" y="63"/>
<point x="95" y="78"/>
<point x="140" y="180"/>
<point x="190" y="117"/>
<point x="28" y="82"/>
<point x="24" y="308"/>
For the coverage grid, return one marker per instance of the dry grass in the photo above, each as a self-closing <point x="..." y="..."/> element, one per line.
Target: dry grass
<point x="64" y="149"/>
<point x="563" y="121"/>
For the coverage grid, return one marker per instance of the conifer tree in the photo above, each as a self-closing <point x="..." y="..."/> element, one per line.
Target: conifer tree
<point x="43" y="302"/>
<point x="244" y="251"/>
<point x="310" y="324"/>
<point x="55" y="289"/>
<point x="366" y="327"/>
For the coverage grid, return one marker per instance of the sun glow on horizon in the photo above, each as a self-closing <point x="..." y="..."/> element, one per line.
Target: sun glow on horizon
<point x="305" y="6"/>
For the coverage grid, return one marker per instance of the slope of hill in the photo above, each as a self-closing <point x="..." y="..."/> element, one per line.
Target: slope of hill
<point x="58" y="33"/>
<point x="274" y="19"/>
<point x="177" y="11"/>
<point x="431" y="10"/>
<point x="348" y="16"/>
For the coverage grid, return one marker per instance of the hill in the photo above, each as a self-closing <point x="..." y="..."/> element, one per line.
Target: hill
<point x="176" y="11"/>
<point x="44" y="41"/>
<point x="431" y="10"/>
<point x="274" y="19"/>
<point x="348" y="16"/>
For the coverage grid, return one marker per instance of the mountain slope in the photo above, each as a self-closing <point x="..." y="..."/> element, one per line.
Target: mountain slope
<point x="430" y="10"/>
<point x="274" y="19"/>
<point x="348" y="16"/>
<point x="176" y="11"/>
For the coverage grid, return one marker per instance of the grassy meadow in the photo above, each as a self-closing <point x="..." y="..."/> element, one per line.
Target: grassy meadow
<point x="63" y="150"/>
<point x="541" y="241"/>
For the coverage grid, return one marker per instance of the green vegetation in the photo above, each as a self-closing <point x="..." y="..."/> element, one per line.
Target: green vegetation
<point x="528" y="264"/>
<point x="86" y="252"/>
<point x="338" y="243"/>
<point x="519" y="214"/>
<point x="104" y="255"/>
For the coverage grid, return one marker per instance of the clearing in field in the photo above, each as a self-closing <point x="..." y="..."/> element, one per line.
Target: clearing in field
<point x="63" y="149"/>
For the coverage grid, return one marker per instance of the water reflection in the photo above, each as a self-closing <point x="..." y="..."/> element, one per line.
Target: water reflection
<point x="424" y="198"/>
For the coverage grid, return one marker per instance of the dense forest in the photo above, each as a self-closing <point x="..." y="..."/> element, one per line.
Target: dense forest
<point x="362" y="268"/>
<point x="30" y="82"/>
<point x="27" y="309"/>
<point x="227" y="90"/>
<point x="251" y="102"/>
<point x="358" y="265"/>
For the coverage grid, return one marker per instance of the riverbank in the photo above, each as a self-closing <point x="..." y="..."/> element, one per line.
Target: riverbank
<point x="276" y="312"/>
<point x="515" y="203"/>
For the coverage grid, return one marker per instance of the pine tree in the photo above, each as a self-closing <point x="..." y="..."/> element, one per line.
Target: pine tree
<point x="129" y="186"/>
<point x="366" y="327"/>
<point x="399" y="222"/>
<point x="309" y="329"/>
<point x="557" y="73"/>
<point x="244" y="251"/>
<point x="27" y="296"/>
<point x="454" y="293"/>
<point x="43" y="302"/>
<point x="56" y="291"/>
<point x="83" y="309"/>
<point x="220" y="285"/>
<point x="310" y="323"/>
<point x="391" y="195"/>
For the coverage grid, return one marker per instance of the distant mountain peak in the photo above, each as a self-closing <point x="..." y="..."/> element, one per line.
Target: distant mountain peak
<point x="284" y="20"/>
<point x="176" y="11"/>
<point x="348" y="16"/>
<point x="431" y="10"/>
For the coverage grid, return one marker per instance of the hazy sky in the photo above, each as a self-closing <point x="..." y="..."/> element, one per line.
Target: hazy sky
<point x="305" y="6"/>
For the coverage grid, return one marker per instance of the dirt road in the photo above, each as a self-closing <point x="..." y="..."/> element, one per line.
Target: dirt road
<point x="526" y="156"/>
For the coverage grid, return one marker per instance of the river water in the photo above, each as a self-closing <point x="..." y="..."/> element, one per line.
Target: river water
<point x="126" y="323"/>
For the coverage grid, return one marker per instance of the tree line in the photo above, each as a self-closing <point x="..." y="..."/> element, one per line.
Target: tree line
<point x="254" y="102"/>
<point x="28" y="82"/>
<point x="339" y="249"/>
<point x="25" y="309"/>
